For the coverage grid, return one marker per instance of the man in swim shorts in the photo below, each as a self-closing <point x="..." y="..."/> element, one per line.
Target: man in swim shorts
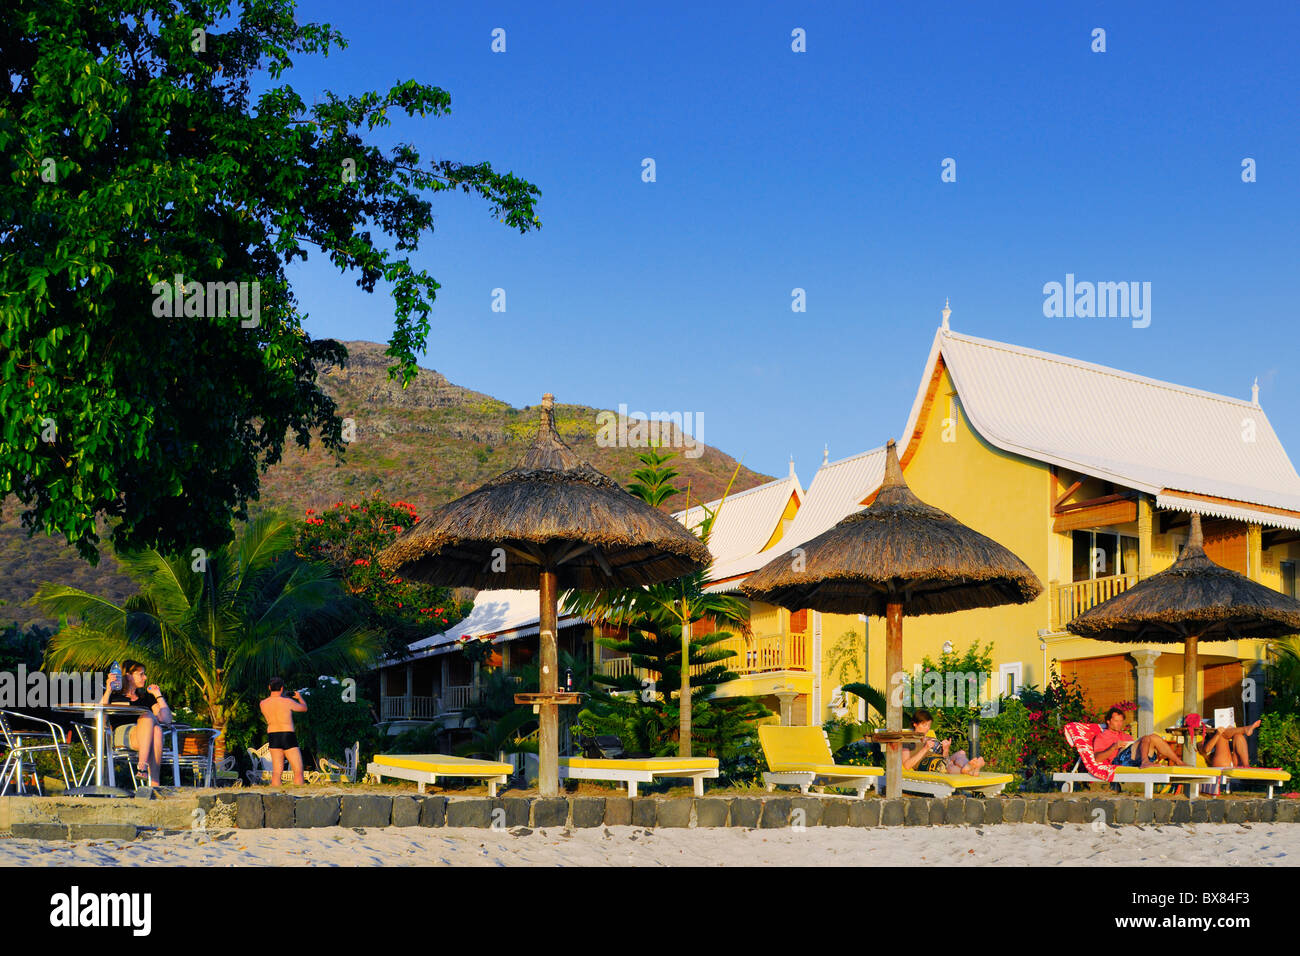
<point x="278" y="711"/>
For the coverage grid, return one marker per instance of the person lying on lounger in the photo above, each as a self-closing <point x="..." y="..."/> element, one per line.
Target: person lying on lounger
<point x="1114" y="746"/>
<point x="933" y="756"/>
<point x="1223" y="746"/>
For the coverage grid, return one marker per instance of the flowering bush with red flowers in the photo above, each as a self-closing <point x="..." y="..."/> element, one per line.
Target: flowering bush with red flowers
<point x="349" y="537"/>
<point x="1026" y="738"/>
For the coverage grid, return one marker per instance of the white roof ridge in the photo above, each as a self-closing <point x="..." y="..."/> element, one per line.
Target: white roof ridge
<point x="765" y="486"/>
<point x="1095" y="367"/>
<point x="862" y="454"/>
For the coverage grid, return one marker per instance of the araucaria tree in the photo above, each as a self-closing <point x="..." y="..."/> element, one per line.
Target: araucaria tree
<point x="152" y="356"/>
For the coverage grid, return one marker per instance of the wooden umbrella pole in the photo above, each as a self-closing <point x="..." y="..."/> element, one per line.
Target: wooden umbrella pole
<point x="548" y="744"/>
<point x="894" y="706"/>
<point x="684" y="718"/>
<point x="1190" y="705"/>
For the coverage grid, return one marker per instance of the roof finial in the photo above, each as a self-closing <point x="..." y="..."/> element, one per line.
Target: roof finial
<point x="826" y="454"/>
<point x="1254" y="392"/>
<point x="792" y="466"/>
<point x="1194" y="536"/>
<point x="946" y="312"/>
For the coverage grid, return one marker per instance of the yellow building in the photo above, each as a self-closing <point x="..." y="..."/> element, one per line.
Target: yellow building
<point x="1090" y="475"/>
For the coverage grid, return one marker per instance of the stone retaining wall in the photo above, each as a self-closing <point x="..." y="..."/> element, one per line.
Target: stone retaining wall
<point x="55" y="818"/>
<point x="252" y="810"/>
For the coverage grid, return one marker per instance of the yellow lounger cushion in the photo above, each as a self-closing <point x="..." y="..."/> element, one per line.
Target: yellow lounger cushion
<point x="828" y="769"/>
<point x="444" y="764"/>
<point x="1172" y="771"/>
<point x="959" y="780"/>
<point x="652" y="764"/>
<point x="1253" y="773"/>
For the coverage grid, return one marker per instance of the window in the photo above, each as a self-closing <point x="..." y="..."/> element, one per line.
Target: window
<point x="1010" y="679"/>
<point x="1102" y="554"/>
<point x="1288" y="578"/>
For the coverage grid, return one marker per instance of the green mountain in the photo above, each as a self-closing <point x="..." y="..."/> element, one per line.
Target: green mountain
<point x="426" y="444"/>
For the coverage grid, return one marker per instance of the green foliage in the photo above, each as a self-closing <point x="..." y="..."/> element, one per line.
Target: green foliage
<point x="1283" y="694"/>
<point x="26" y="646"/>
<point x="138" y="151"/>
<point x="652" y="481"/>
<point x="843" y="658"/>
<point x="349" y="538"/>
<point x="213" y="631"/>
<point x="1279" y="743"/>
<point x="332" y="723"/>
<point x="417" y="740"/>
<point x="1025" y="737"/>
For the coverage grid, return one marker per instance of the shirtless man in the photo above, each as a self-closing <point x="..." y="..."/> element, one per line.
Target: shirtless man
<point x="278" y="711"/>
<point x="1114" y="746"/>
<point x="1224" y="746"/>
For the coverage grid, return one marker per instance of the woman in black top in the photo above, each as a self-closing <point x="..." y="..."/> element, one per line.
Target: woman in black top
<point x="143" y="735"/>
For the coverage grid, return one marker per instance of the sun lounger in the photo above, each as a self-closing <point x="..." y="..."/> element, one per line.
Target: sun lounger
<point x="634" y="771"/>
<point x="428" y="768"/>
<point x="934" y="784"/>
<point x="800" y="756"/>
<point x="1088" y="769"/>
<point x="1273" y="776"/>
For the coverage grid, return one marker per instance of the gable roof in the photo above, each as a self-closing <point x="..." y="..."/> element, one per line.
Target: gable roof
<point x="1138" y="432"/>
<point x="504" y="614"/>
<point x="836" y="492"/>
<point x="747" y="519"/>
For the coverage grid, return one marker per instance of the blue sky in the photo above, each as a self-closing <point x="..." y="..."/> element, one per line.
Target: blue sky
<point x="821" y="170"/>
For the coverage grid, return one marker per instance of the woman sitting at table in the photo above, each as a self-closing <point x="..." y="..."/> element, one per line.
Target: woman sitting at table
<point x="143" y="735"/>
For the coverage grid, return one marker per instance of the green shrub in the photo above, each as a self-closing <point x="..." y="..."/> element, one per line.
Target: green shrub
<point x="332" y="723"/>
<point x="1279" y="742"/>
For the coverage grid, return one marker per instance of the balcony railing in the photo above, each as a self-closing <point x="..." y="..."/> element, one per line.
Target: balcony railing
<point x="1071" y="600"/>
<point x="763" y="653"/>
<point x="755" y="655"/>
<point x="420" y="708"/>
<point x="454" y="698"/>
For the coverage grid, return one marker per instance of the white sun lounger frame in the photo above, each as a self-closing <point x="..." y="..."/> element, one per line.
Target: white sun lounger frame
<point x="935" y="788"/>
<point x="803" y="779"/>
<point x="422" y="777"/>
<point x="634" y="777"/>
<point x="1148" y="781"/>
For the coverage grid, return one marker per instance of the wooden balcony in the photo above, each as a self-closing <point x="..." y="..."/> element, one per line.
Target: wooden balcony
<point x="1071" y="600"/>
<point x="454" y="698"/>
<point x="756" y="655"/>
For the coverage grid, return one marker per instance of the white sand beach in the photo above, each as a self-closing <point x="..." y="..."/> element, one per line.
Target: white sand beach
<point x="1005" y="845"/>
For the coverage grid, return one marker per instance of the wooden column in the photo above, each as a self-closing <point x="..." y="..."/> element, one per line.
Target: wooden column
<point x="1145" y="514"/>
<point x="1254" y="551"/>
<point x="684" y="718"/>
<point x="894" y="706"/>
<point x="1190" y="705"/>
<point x="548" y="744"/>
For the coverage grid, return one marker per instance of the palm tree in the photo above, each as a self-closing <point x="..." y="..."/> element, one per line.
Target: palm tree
<point x="217" y="625"/>
<point x="661" y="609"/>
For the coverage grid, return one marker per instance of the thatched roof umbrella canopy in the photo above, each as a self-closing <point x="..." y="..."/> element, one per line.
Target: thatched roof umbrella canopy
<point x="900" y="556"/>
<point x="553" y="522"/>
<point x="1193" y="599"/>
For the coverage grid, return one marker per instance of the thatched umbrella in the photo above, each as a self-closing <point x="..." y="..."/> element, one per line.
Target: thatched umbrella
<point x="553" y="523"/>
<point x="1193" y="599"/>
<point x="897" y="557"/>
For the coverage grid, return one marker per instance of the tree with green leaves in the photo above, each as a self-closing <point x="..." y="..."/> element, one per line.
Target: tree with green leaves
<point x="153" y="361"/>
<point x="220" y="625"/>
<point x="659" y="617"/>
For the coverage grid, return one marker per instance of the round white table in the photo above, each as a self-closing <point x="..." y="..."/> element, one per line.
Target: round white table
<point x="99" y="788"/>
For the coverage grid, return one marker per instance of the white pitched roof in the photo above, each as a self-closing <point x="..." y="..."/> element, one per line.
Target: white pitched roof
<point x="747" y="519"/>
<point x="1138" y="432"/>
<point x="507" y="614"/>
<point x="836" y="492"/>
